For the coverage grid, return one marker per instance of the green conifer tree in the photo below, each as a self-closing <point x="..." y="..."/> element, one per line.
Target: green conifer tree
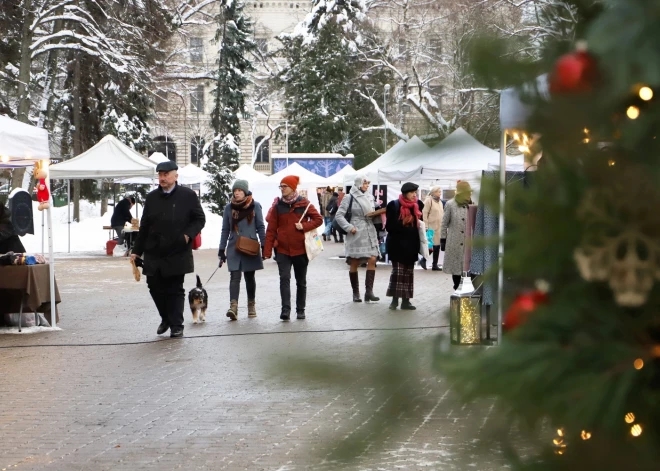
<point x="235" y="42"/>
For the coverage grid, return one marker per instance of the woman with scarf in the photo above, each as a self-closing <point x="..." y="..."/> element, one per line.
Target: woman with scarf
<point x="403" y="216"/>
<point x="242" y="217"/>
<point x="361" y="237"/>
<point x="452" y="232"/>
<point x="433" y="213"/>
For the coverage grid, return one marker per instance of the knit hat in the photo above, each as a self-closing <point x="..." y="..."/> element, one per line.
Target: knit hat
<point x="240" y="185"/>
<point x="463" y="187"/>
<point x="291" y="181"/>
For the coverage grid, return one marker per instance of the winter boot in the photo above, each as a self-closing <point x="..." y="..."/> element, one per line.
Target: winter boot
<point x="324" y="238"/>
<point x="369" y="285"/>
<point x="232" y="312"/>
<point x="405" y="304"/>
<point x="252" y="311"/>
<point x="436" y="255"/>
<point x="395" y="303"/>
<point x="355" y="284"/>
<point x="422" y="263"/>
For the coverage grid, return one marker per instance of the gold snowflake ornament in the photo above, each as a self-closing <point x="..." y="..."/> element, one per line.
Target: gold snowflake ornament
<point x="620" y="243"/>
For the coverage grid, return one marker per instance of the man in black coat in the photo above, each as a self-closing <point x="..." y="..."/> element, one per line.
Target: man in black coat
<point x="121" y="215"/>
<point x="9" y="241"/>
<point x="172" y="217"/>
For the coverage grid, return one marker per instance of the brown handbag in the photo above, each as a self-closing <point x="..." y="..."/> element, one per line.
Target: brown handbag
<point x="247" y="246"/>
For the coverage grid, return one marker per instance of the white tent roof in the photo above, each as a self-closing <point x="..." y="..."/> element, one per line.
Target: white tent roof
<point x="192" y="174"/>
<point x="109" y="158"/>
<point x="458" y="156"/>
<point x="338" y="178"/>
<point x="246" y="172"/>
<point x="21" y="144"/>
<point x="158" y="157"/>
<point x="399" y="152"/>
<point x="307" y="178"/>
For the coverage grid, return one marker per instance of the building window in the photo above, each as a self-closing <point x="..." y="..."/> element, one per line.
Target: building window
<point x="197" y="99"/>
<point x="165" y="146"/>
<point x="196" y="149"/>
<point x="435" y="45"/>
<point x="196" y="50"/>
<point x="263" y="154"/>
<point x="437" y="91"/>
<point x="161" y="101"/>
<point x="262" y="45"/>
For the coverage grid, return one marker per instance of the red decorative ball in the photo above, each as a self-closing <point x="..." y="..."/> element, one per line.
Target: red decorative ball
<point x="522" y="307"/>
<point x="573" y="73"/>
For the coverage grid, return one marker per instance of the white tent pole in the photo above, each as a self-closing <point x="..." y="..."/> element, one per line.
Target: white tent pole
<point x="43" y="233"/>
<point x="500" y="267"/>
<point x="51" y="264"/>
<point x="68" y="208"/>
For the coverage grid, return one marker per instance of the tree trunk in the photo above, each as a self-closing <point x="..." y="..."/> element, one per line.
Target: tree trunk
<point x="45" y="112"/>
<point x="105" y="189"/>
<point x="77" y="135"/>
<point x="24" y="77"/>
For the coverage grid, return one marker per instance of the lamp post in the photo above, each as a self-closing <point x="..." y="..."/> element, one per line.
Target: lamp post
<point x="387" y="89"/>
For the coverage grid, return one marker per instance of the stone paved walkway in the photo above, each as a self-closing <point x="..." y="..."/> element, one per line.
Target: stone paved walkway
<point x="218" y="402"/>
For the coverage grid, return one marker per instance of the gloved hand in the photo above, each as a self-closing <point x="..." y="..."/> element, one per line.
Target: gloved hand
<point x="221" y="255"/>
<point x="443" y="242"/>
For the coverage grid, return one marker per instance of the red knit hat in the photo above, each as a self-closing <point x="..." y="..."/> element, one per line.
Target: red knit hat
<point x="291" y="181"/>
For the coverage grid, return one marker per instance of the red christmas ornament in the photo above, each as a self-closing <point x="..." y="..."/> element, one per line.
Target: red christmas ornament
<point x="522" y="307"/>
<point x="573" y="73"/>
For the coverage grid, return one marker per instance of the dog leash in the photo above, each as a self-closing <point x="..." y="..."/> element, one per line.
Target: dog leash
<point x="207" y="281"/>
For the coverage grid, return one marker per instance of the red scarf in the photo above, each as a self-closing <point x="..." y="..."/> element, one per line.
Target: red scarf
<point x="405" y="213"/>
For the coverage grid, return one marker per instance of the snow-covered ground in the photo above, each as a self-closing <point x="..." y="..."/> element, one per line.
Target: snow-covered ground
<point x="88" y="234"/>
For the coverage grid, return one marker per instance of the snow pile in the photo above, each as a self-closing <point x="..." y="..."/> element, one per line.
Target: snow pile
<point x="88" y="234"/>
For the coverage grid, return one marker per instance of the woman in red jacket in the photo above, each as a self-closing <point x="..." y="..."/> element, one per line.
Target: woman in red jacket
<point x="286" y="233"/>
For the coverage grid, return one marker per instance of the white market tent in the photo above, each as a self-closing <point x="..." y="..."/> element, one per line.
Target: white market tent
<point x="21" y="145"/>
<point x="156" y="157"/>
<point x="307" y="178"/>
<point x="457" y="157"/>
<point x="400" y="152"/>
<point x="109" y="158"/>
<point x="246" y="172"/>
<point x="338" y="178"/>
<point x="191" y="174"/>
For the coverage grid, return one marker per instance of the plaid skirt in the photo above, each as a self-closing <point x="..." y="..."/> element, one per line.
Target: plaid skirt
<point x="401" y="280"/>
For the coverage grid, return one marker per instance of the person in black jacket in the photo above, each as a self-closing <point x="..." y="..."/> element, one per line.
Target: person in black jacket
<point x="121" y="215"/>
<point x="172" y="217"/>
<point x="9" y="241"/>
<point x="403" y="216"/>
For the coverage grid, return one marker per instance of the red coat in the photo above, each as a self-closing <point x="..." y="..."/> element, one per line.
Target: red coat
<point x="282" y="233"/>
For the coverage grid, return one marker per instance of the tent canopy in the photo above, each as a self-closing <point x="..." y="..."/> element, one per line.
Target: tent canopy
<point x="21" y="144"/>
<point x="109" y="158"/>
<point x="458" y="157"/>
<point x="399" y="152"/>
<point x="191" y="174"/>
<point x="307" y="178"/>
<point x="338" y="178"/>
<point x="158" y="157"/>
<point x="246" y="172"/>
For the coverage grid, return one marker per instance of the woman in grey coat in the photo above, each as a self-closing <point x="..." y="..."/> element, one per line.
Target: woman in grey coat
<point x="242" y="217"/>
<point x="361" y="237"/>
<point x="452" y="231"/>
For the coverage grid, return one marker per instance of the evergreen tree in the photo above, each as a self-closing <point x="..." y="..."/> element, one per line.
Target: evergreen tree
<point x="581" y="361"/>
<point x="320" y="82"/>
<point x="235" y="42"/>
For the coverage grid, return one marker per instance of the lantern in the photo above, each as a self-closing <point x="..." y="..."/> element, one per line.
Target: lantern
<point x="465" y="314"/>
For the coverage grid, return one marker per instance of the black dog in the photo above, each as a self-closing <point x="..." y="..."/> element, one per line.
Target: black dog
<point x="198" y="300"/>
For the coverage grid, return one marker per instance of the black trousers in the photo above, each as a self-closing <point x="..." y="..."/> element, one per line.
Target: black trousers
<point x="299" y="264"/>
<point x="436" y="254"/>
<point x="169" y="296"/>
<point x="235" y="285"/>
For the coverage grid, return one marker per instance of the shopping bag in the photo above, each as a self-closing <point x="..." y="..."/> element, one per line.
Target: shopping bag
<point x="313" y="244"/>
<point x="197" y="241"/>
<point x="423" y="243"/>
<point x="429" y="236"/>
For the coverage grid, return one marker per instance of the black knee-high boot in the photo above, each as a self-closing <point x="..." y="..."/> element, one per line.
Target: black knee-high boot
<point x="457" y="280"/>
<point x="436" y="255"/>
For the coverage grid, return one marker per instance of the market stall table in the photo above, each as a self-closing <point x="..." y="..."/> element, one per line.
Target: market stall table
<point x="26" y="288"/>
